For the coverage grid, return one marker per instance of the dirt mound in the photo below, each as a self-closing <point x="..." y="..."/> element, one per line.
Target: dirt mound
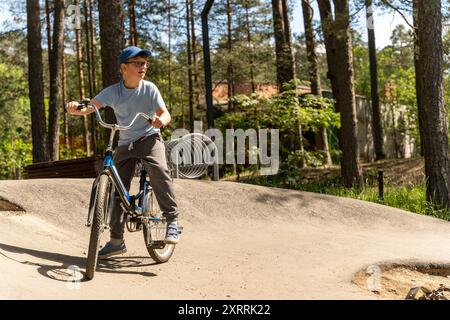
<point x="5" y="205"/>
<point x="239" y="242"/>
<point x="393" y="281"/>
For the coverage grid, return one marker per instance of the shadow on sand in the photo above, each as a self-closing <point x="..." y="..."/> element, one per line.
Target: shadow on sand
<point x="71" y="266"/>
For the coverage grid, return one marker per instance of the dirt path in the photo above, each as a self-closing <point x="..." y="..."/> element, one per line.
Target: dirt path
<point x="239" y="242"/>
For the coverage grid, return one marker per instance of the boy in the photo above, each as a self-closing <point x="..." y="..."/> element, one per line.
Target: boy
<point x="129" y="96"/>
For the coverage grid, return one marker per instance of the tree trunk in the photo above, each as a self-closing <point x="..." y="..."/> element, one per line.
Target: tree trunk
<point x="93" y="43"/>
<point x="302" y="148"/>
<point x="417" y="66"/>
<point x="64" y="101"/>
<point x="49" y="31"/>
<point x="169" y="58"/>
<point x="93" y="122"/>
<point x="249" y="42"/>
<point x="56" y="80"/>
<point x="133" y="35"/>
<point x="112" y="41"/>
<point x="340" y="71"/>
<point x="314" y="76"/>
<point x="377" y="128"/>
<point x="88" y="46"/>
<point x="230" y="80"/>
<point x="35" y="81"/>
<point x="189" y="62"/>
<point x="284" y="58"/>
<point x="207" y="64"/>
<point x="92" y="59"/>
<point x="435" y="139"/>
<point x="196" y="88"/>
<point x="230" y="70"/>
<point x="81" y="92"/>
<point x="287" y="35"/>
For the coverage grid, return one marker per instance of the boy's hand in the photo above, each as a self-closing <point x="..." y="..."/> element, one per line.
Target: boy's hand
<point x="156" y="122"/>
<point x="72" y="108"/>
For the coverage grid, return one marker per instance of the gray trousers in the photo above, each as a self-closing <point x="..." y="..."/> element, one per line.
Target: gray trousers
<point x="151" y="150"/>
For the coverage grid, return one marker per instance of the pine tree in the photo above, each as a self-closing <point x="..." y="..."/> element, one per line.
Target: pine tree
<point x="35" y="80"/>
<point x="112" y="42"/>
<point x="285" y="61"/>
<point x="338" y="46"/>
<point x="435" y="134"/>
<point x="56" y="80"/>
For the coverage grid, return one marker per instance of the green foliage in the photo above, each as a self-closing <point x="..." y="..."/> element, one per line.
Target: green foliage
<point x="284" y="111"/>
<point x="12" y="84"/>
<point x="288" y="112"/>
<point x="308" y="158"/>
<point x="396" y="83"/>
<point x="411" y="198"/>
<point x="361" y="69"/>
<point x="69" y="153"/>
<point x="257" y="54"/>
<point x="15" y="154"/>
<point x="15" y="136"/>
<point x="15" y="139"/>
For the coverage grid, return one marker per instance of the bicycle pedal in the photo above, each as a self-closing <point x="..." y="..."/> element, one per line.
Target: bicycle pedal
<point x="157" y="244"/>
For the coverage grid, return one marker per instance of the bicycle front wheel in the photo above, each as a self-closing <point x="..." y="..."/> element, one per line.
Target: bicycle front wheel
<point x="154" y="228"/>
<point x="100" y="210"/>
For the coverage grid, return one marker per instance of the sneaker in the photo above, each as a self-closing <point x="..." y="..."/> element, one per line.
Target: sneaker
<point x="111" y="250"/>
<point x="172" y="235"/>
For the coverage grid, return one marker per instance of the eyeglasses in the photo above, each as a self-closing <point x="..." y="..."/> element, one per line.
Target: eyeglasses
<point x="138" y="64"/>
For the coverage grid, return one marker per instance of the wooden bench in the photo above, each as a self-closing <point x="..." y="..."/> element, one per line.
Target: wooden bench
<point x="88" y="167"/>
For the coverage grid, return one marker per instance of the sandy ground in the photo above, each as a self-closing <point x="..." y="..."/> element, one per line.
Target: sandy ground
<point x="239" y="242"/>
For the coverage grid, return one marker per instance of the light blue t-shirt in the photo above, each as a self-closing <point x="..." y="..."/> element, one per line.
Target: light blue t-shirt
<point x="126" y="103"/>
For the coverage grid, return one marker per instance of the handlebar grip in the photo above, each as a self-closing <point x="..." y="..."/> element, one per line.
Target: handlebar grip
<point x="83" y="104"/>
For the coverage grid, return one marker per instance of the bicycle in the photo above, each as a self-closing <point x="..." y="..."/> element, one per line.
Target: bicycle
<point x="140" y="210"/>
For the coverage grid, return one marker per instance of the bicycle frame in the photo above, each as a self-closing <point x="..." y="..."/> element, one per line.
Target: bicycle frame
<point x="128" y="201"/>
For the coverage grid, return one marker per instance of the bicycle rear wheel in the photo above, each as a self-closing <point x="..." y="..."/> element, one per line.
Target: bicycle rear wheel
<point x="100" y="211"/>
<point x="154" y="227"/>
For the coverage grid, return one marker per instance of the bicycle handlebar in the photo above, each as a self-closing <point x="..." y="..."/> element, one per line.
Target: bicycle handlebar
<point x="87" y="104"/>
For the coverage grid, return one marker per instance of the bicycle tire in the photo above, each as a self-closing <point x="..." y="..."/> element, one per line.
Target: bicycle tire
<point x="92" y="202"/>
<point x="100" y="205"/>
<point x="159" y="255"/>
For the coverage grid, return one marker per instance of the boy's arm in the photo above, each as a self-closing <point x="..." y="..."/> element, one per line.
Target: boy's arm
<point x="161" y="118"/>
<point x="72" y="108"/>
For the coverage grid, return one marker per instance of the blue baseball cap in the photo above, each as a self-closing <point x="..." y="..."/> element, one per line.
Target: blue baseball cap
<point x="131" y="52"/>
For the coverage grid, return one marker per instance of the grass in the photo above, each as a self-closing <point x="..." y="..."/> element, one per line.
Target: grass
<point x="411" y="197"/>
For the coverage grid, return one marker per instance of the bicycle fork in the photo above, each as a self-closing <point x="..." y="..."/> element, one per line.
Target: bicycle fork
<point x="93" y="200"/>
